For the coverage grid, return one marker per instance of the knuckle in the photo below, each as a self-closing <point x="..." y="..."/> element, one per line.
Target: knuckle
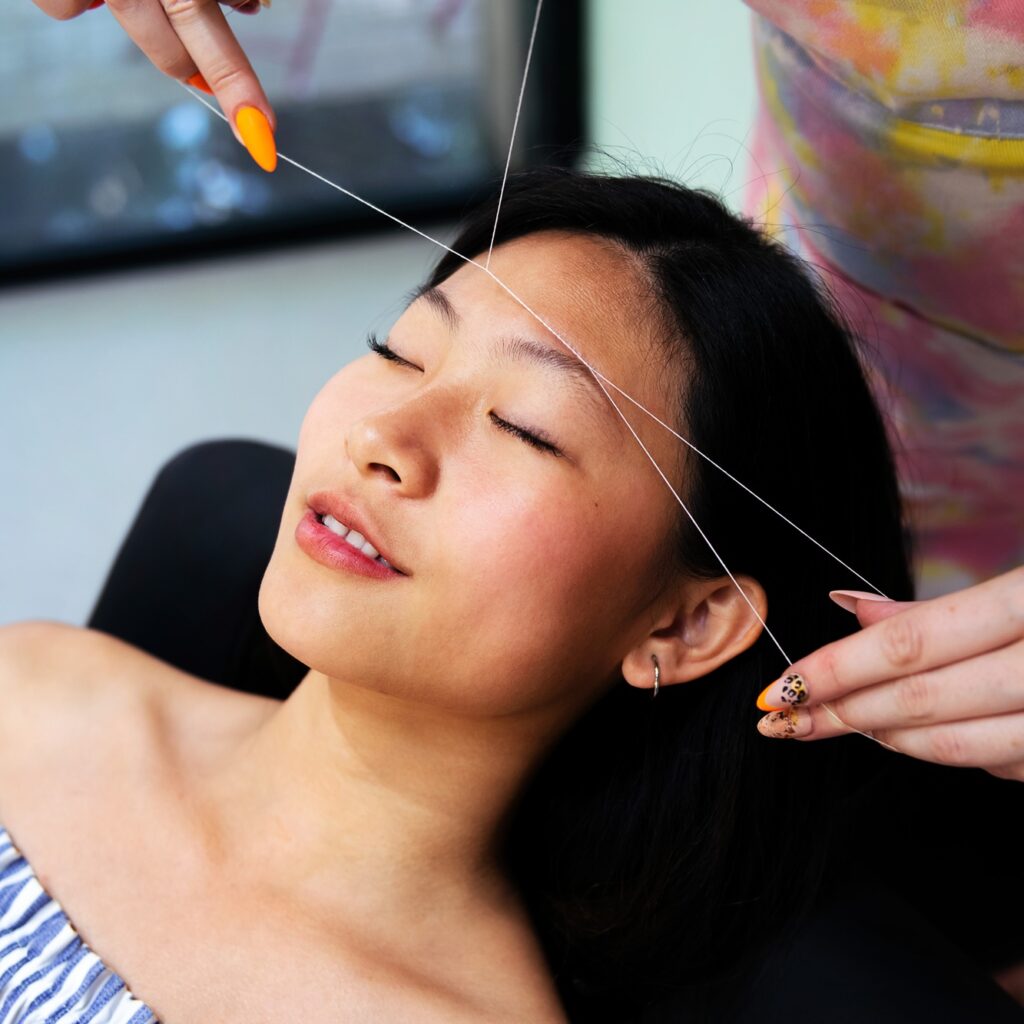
<point x="181" y="10"/>
<point x="915" y="698"/>
<point x="224" y="76"/>
<point x="901" y="641"/>
<point x="948" y="747"/>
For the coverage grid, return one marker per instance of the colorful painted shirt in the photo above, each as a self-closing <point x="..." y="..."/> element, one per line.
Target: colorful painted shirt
<point x="889" y="151"/>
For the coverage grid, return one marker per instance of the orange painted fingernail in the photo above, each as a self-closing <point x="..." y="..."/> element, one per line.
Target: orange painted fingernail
<point x="762" y="701"/>
<point x="254" y="128"/>
<point x="197" y="81"/>
<point x="787" y="691"/>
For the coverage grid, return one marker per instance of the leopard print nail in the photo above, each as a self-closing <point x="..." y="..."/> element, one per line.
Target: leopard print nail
<point x="794" y="690"/>
<point x="779" y="724"/>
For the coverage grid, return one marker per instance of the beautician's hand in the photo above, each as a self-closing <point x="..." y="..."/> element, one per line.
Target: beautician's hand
<point x="191" y="40"/>
<point x="941" y="680"/>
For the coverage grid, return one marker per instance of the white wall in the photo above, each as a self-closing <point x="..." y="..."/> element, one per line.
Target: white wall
<point x="671" y="87"/>
<point x="102" y="380"/>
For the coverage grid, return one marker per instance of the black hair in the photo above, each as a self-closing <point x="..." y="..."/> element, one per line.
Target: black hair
<point x="662" y="842"/>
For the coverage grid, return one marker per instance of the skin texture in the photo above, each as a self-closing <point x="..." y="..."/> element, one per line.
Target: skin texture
<point x="186" y="37"/>
<point x="383" y="779"/>
<point x="349" y="832"/>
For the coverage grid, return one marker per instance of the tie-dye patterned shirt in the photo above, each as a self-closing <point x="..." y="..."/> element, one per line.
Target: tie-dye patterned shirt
<point x="889" y="151"/>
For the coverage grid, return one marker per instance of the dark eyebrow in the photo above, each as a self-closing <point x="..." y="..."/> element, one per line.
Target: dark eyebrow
<point x="441" y="304"/>
<point x="515" y="347"/>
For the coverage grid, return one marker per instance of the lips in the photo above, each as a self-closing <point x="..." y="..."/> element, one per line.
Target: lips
<point x="324" y="503"/>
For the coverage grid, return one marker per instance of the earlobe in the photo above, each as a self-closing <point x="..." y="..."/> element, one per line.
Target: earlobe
<point x="713" y="624"/>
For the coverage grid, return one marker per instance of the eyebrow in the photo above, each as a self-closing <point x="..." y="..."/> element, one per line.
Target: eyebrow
<point x="515" y="347"/>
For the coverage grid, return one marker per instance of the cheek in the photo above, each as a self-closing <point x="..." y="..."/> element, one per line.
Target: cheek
<point x="537" y="549"/>
<point x="347" y="396"/>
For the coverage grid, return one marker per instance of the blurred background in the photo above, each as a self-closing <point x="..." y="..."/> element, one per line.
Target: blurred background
<point x="158" y="289"/>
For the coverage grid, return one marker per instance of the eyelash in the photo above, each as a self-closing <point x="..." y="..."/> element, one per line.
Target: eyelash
<point x="535" y="440"/>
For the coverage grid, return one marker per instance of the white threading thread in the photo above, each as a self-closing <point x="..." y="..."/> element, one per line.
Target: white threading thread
<point x="593" y="370"/>
<point x="598" y="376"/>
<point x="858" y="731"/>
<point x="515" y="125"/>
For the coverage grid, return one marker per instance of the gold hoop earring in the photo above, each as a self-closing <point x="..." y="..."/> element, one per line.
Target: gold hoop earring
<point x="657" y="673"/>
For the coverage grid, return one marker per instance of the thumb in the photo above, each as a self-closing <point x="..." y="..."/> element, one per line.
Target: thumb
<point x="869" y="608"/>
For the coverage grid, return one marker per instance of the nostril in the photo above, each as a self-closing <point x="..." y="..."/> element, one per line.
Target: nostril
<point x="387" y="469"/>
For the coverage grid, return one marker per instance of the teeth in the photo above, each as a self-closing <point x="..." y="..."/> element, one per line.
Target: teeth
<point x="353" y="537"/>
<point x="334" y="526"/>
<point x="368" y="548"/>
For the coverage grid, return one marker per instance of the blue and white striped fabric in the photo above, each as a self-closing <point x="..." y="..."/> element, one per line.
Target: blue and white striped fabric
<point x="47" y="972"/>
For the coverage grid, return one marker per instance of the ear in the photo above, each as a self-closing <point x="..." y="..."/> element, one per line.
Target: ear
<point x="706" y="624"/>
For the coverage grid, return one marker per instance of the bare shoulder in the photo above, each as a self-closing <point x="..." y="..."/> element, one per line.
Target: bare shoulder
<point x="56" y="680"/>
<point x="36" y="646"/>
<point x="40" y="656"/>
<point x="59" y="681"/>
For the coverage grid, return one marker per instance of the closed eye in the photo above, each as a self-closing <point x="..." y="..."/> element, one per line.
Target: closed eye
<point x="384" y="350"/>
<point x="534" y="439"/>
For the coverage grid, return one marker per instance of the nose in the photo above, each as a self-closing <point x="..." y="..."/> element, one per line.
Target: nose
<point x="403" y="443"/>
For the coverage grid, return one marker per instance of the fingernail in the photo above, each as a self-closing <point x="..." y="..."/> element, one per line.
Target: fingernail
<point x="197" y="81"/>
<point x="784" y="692"/>
<point x="94" y="5"/>
<point x="254" y="128"/>
<point x="847" y="599"/>
<point x="784" y="725"/>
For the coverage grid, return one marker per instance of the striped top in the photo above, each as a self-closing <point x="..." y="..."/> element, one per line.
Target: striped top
<point x="47" y="972"/>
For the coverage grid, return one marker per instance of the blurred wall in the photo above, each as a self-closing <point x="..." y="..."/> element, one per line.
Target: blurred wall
<point x="103" y="380"/>
<point x="671" y="88"/>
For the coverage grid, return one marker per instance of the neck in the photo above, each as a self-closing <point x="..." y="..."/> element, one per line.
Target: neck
<point x="351" y="801"/>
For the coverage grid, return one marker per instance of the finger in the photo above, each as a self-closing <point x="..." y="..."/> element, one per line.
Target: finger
<point x="64" y="10"/>
<point x="1014" y="772"/>
<point x="806" y="723"/>
<point x="927" y="635"/>
<point x="980" y="742"/>
<point x="870" y="612"/>
<point x="205" y="33"/>
<point x="861" y="602"/>
<point x="147" y="25"/>
<point x="990" y="684"/>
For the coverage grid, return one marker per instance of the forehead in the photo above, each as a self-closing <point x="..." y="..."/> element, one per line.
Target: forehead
<point x="591" y="291"/>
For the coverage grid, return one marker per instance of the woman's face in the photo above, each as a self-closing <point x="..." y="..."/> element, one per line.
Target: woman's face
<point x="528" y="574"/>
